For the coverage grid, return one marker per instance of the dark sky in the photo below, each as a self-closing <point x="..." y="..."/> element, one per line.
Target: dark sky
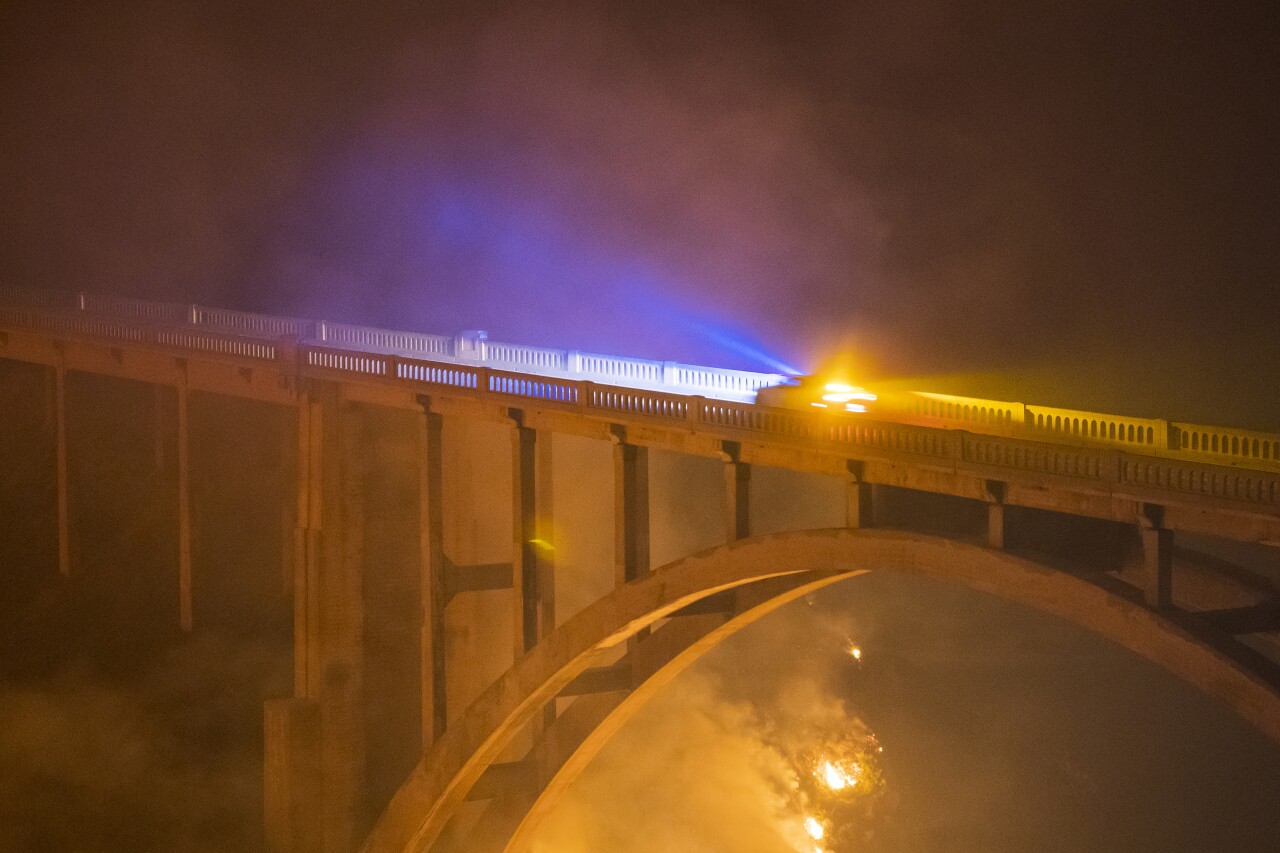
<point x="1058" y="201"/>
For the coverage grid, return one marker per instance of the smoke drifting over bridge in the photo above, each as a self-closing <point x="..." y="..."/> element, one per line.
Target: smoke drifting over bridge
<point x="1074" y="204"/>
<point x="941" y="189"/>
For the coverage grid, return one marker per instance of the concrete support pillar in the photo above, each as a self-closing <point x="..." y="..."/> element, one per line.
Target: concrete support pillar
<point x="524" y="555"/>
<point x="995" y="515"/>
<point x="858" y="499"/>
<point x="995" y="526"/>
<point x="328" y="606"/>
<point x="291" y="775"/>
<point x="60" y="430"/>
<point x="184" y="504"/>
<point x="431" y="534"/>
<point x="289" y="502"/>
<point x="631" y="511"/>
<point x="308" y="539"/>
<point x="1157" y="558"/>
<point x="737" y="481"/>
<point x="545" y="535"/>
<point x="160" y="431"/>
<point x="342" y="716"/>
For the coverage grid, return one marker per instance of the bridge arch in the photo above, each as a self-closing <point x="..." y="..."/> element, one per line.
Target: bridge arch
<point x="794" y="564"/>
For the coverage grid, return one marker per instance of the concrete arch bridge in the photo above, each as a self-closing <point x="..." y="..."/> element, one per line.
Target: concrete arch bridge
<point x="490" y="564"/>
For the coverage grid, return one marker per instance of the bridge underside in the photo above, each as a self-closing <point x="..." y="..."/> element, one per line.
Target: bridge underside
<point x="451" y="770"/>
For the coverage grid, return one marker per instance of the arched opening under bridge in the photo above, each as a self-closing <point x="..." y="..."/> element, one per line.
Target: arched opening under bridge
<point x="802" y="561"/>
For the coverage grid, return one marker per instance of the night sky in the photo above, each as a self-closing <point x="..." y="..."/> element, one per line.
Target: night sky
<point x="1072" y="203"/>
<point x="1052" y="201"/>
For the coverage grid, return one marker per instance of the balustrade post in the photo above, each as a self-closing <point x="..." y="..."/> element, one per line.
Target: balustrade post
<point x="696" y="404"/>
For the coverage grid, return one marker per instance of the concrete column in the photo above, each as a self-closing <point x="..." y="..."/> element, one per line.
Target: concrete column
<point x="737" y="481"/>
<point x="995" y="526"/>
<point x="159" y="426"/>
<point x="858" y="499"/>
<point x="524" y="555"/>
<point x="631" y="512"/>
<point x="342" y="718"/>
<point x="289" y="501"/>
<point x="431" y="535"/>
<point x="328" y="604"/>
<point x="1157" y="558"/>
<point x="543" y="528"/>
<point x="995" y="515"/>
<point x="60" y="428"/>
<point x="291" y="775"/>
<point x="184" y="504"/>
<point x="308" y="538"/>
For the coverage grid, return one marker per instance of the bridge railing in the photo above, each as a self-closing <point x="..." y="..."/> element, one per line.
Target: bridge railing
<point x="686" y="378"/>
<point x="426" y="358"/>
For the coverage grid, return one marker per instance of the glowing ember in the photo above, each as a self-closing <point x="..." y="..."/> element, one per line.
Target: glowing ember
<point x="814" y="828"/>
<point x="855" y="652"/>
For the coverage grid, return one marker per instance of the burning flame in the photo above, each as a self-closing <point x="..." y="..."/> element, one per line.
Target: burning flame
<point x="855" y="653"/>
<point x="814" y="828"/>
<point x="839" y="776"/>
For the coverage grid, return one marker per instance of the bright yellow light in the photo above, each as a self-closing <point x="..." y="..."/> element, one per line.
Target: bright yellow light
<point x="814" y="828"/>
<point x="542" y="544"/>
<point x="838" y="777"/>
<point x="850" y="397"/>
<point x="855" y="652"/>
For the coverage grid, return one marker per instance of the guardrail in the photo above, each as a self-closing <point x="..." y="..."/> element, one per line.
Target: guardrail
<point x="1210" y="444"/>
<point x="644" y="388"/>
<point x="682" y="378"/>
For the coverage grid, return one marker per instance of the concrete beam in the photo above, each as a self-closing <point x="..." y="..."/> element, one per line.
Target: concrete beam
<point x="477" y="578"/>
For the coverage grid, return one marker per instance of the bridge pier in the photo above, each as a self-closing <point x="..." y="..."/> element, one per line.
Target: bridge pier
<point x="325" y="717"/>
<point x="859" y="498"/>
<point x="1157" y="558"/>
<point x="631" y="510"/>
<point x="995" y="515"/>
<point x="737" y="479"/>
<point x="291" y="774"/>
<point x="431" y="545"/>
